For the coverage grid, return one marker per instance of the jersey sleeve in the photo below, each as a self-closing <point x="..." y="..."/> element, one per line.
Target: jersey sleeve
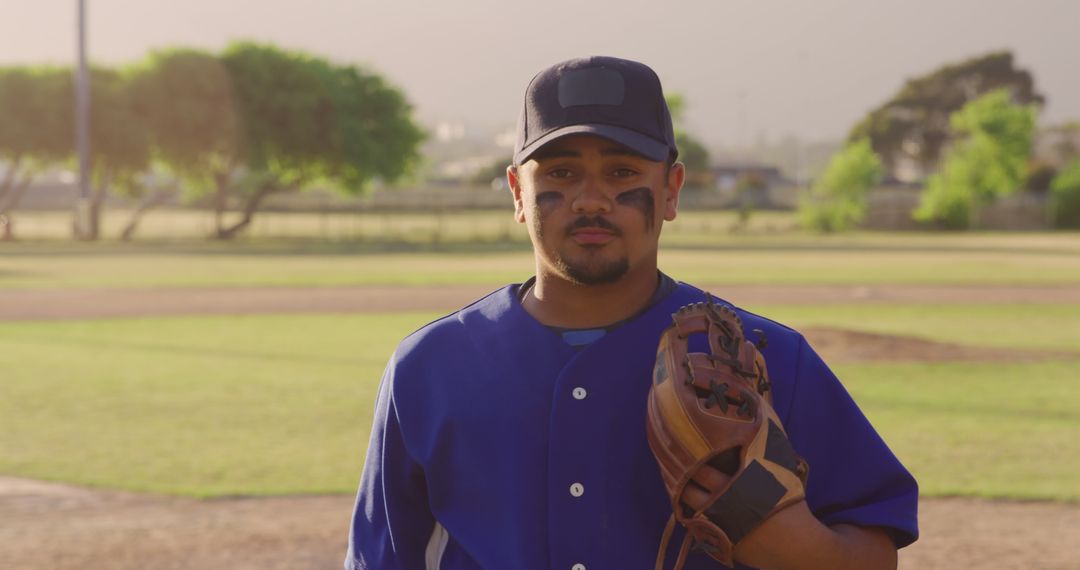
<point x="854" y="477"/>
<point x="392" y="523"/>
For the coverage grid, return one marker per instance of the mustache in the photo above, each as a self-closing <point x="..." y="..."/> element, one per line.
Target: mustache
<point x="593" y="222"/>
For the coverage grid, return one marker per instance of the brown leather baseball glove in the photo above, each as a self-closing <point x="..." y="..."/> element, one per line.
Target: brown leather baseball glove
<point x="723" y="454"/>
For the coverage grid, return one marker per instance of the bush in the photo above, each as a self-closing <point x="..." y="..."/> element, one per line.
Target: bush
<point x="837" y="201"/>
<point x="1065" y="196"/>
<point x="988" y="162"/>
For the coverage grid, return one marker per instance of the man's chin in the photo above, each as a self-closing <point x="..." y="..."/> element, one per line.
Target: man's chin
<point x="596" y="273"/>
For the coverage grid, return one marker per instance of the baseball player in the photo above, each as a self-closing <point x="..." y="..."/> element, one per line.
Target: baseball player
<point x="511" y="434"/>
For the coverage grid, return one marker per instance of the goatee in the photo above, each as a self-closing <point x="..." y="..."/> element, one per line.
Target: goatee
<point x="594" y="273"/>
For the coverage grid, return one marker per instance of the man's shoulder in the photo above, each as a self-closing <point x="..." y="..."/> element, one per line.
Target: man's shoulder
<point x="751" y="321"/>
<point x="449" y="331"/>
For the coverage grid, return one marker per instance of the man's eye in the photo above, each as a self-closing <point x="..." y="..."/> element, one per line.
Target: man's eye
<point x="625" y="172"/>
<point x="560" y="173"/>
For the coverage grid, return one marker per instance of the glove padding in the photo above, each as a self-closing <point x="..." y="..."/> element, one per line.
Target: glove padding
<point x="723" y="454"/>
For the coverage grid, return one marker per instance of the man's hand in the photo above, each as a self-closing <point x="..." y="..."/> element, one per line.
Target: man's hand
<point x="793" y="539"/>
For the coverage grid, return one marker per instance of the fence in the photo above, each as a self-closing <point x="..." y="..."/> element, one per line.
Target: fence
<point x="891" y="209"/>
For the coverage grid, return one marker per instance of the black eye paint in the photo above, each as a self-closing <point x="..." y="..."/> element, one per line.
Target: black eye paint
<point x="642" y="200"/>
<point x="546" y="202"/>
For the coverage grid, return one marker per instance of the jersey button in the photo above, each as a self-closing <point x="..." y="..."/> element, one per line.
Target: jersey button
<point x="577" y="489"/>
<point x="577" y="567"/>
<point x="580" y="393"/>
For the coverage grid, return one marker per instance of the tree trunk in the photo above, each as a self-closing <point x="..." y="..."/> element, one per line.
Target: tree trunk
<point x="250" y="208"/>
<point x="155" y="199"/>
<point x="221" y="200"/>
<point x="9" y="177"/>
<point x="14" y="195"/>
<point x="96" y="200"/>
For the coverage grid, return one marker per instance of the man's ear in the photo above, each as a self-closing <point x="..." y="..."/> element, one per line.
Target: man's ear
<point x="675" y="179"/>
<point x="514" y="182"/>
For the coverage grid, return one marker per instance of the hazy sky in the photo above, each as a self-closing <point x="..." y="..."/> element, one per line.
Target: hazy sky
<point x="809" y="68"/>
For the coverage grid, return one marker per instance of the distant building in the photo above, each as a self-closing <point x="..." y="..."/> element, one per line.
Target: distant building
<point x="1058" y="144"/>
<point x="728" y="174"/>
<point x="759" y="185"/>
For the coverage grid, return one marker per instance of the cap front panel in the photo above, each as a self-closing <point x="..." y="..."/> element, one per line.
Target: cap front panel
<point x="591" y="86"/>
<point x="596" y="91"/>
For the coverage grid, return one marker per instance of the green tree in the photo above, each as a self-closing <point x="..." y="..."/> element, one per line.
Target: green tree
<point x="305" y="121"/>
<point x="837" y="200"/>
<point x="1065" y="197"/>
<point x="692" y="153"/>
<point x="988" y="160"/>
<point x="286" y="122"/>
<point x="376" y="137"/>
<point x="36" y="107"/>
<point x="185" y="99"/>
<point x="915" y="123"/>
<point x="119" y="143"/>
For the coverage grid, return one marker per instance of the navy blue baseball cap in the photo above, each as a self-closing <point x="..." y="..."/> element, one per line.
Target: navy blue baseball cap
<point x="614" y="98"/>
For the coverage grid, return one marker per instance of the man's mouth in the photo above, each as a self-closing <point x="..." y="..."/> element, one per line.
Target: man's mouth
<point x="593" y="230"/>
<point x="591" y="236"/>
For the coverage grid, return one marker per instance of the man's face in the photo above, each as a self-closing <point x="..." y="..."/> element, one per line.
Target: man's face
<point x="593" y="207"/>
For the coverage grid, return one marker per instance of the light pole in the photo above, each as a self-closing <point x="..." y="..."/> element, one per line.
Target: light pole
<point x="82" y="131"/>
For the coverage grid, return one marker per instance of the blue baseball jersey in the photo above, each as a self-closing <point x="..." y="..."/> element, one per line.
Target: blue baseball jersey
<point x="497" y="445"/>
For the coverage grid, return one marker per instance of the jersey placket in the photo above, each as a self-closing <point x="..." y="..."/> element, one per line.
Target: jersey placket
<point x="576" y="481"/>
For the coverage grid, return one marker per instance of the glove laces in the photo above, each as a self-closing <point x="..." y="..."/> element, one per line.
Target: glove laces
<point x="683" y="550"/>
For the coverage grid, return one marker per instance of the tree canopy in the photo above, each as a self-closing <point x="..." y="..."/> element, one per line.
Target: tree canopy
<point x="692" y="152"/>
<point x="37" y="106"/>
<point x="256" y="120"/>
<point x="988" y="160"/>
<point x="838" y="199"/>
<point x="119" y="142"/>
<point x="36" y="109"/>
<point x="184" y="98"/>
<point x="914" y="123"/>
<point x="235" y="126"/>
<point x="305" y="120"/>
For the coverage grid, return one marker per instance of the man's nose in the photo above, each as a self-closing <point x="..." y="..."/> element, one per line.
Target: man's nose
<point x="591" y="199"/>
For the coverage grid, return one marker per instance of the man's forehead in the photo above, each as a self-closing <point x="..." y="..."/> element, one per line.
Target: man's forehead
<point x="576" y="145"/>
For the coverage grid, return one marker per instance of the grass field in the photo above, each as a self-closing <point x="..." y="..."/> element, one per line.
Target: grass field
<point x="1050" y="259"/>
<point x="212" y="406"/>
<point x="1028" y="326"/>
<point x="203" y="406"/>
<point x="988" y="430"/>
<point x="452" y="226"/>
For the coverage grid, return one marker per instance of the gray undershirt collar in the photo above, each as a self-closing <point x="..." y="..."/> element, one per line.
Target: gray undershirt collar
<point x="580" y="338"/>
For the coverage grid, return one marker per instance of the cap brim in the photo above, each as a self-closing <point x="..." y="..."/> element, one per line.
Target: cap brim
<point x="644" y="145"/>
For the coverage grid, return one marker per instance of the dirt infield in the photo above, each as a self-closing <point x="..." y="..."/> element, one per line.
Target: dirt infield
<point x="50" y="526"/>
<point x="35" y="304"/>
<point x="57" y="527"/>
